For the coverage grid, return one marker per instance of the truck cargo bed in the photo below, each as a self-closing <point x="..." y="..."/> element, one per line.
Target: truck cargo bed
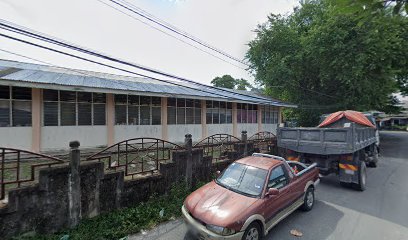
<point x="326" y="141"/>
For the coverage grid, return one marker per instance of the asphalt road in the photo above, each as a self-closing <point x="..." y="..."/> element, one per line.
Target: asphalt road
<point x="380" y="212"/>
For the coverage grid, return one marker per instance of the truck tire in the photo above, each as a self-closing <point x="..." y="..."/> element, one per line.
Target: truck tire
<point x="362" y="177"/>
<point x="374" y="162"/>
<point x="308" y="200"/>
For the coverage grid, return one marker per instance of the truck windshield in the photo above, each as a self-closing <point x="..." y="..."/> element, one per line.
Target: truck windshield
<point x="243" y="179"/>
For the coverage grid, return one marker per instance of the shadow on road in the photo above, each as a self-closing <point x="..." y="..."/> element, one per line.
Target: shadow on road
<point x="314" y="225"/>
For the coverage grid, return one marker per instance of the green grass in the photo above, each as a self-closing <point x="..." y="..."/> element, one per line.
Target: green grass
<point x="121" y="223"/>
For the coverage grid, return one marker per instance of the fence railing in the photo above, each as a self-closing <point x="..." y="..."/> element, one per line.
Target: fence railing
<point x="263" y="142"/>
<point x="218" y="146"/>
<point x="133" y="156"/>
<point x="136" y="156"/>
<point x="19" y="168"/>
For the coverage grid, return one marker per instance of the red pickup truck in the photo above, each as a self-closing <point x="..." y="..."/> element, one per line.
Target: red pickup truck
<point x="251" y="196"/>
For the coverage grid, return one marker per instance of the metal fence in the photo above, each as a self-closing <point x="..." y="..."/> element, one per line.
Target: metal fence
<point x="218" y="146"/>
<point x="136" y="156"/>
<point x="19" y="168"/>
<point x="263" y="142"/>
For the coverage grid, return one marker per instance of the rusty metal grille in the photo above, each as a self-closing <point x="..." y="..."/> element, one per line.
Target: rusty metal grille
<point x="136" y="156"/>
<point x="263" y="142"/>
<point x="20" y="168"/>
<point x="219" y="146"/>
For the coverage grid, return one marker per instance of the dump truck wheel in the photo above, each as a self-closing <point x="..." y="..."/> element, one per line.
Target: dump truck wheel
<point x="374" y="163"/>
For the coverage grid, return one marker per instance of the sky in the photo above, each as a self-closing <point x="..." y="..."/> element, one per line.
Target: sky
<point x="225" y="24"/>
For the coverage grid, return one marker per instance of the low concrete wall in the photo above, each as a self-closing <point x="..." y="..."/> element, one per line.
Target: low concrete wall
<point x="270" y="128"/>
<point x="175" y="132"/>
<point x="16" y="137"/>
<point x="123" y="132"/>
<point x="251" y="128"/>
<point x="56" y="138"/>
<point x="45" y="207"/>
<point x="220" y="128"/>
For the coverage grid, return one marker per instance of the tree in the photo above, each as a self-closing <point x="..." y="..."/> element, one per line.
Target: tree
<point x="242" y="84"/>
<point x="326" y="61"/>
<point x="227" y="81"/>
<point x="395" y="7"/>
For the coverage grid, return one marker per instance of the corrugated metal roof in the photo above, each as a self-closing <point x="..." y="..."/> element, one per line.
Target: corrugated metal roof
<point x="20" y="72"/>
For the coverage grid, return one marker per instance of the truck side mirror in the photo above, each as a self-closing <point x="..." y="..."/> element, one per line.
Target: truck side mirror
<point x="272" y="192"/>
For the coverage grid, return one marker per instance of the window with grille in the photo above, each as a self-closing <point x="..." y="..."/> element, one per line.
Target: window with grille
<point x="183" y="111"/>
<point x="218" y="112"/>
<point x="15" y="106"/>
<point x="270" y="115"/>
<point x="247" y="113"/>
<point x="70" y="108"/>
<point x="137" y="110"/>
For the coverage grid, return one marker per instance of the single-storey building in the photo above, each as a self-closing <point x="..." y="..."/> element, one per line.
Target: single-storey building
<point x="42" y="108"/>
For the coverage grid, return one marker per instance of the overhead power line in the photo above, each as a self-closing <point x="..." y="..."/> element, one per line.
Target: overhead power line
<point x="121" y="69"/>
<point x="40" y="36"/>
<point x="49" y="39"/>
<point x="170" y="35"/>
<point x="82" y="72"/>
<point x="172" y="28"/>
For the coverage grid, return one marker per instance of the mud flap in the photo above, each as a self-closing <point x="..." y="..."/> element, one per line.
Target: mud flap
<point x="348" y="168"/>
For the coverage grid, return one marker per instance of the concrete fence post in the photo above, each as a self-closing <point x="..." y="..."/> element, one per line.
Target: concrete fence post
<point x="188" y="144"/>
<point x="244" y="139"/>
<point x="74" y="191"/>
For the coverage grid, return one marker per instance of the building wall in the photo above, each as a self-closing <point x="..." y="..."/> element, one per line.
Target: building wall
<point x="58" y="137"/>
<point x="123" y="132"/>
<point x="270" y="128"/>
<point x="16" y="137"/>
<point x="251" y="128"/>
<point x="219" y="128"/>
<point x="177" y="132"/>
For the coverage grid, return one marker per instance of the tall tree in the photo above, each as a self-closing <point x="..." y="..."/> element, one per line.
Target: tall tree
<point x="227" y="81"/>
<point x="325" y="61"/>
<point x="242" y="84"/>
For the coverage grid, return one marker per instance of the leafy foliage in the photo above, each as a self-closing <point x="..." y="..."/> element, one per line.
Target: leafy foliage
<point x="121" y="223"/>
<point x="326" y="61"/>
<point x="227" y="81"/>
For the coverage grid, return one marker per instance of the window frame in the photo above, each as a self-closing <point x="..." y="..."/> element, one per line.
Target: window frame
<point x="181" y="109"/>
<point x="285" y="174"/>
<point x="11" y="100"/>
<point x="139" y="104"/>
<point x="76" y="103"/>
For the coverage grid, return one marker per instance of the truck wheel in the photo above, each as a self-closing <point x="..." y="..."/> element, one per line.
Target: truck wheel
<point x="309" y="199"/>
<point x="253" y="232"/>
<point x="373" y="164"/>
<point x="362" y="177"/>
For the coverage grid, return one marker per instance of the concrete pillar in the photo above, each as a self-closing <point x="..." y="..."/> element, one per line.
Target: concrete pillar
<point x="110" y="118"/>
<point x="260" y="127"/>
<point x="188" y="144"/>
<point x="36" y="96"/>
<point x="234" y="120"/>
<point x="74" y="192"/>
<point x="244" y="139"/>
<point x="165" y="131"/>
<point x="204" y="131"/>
